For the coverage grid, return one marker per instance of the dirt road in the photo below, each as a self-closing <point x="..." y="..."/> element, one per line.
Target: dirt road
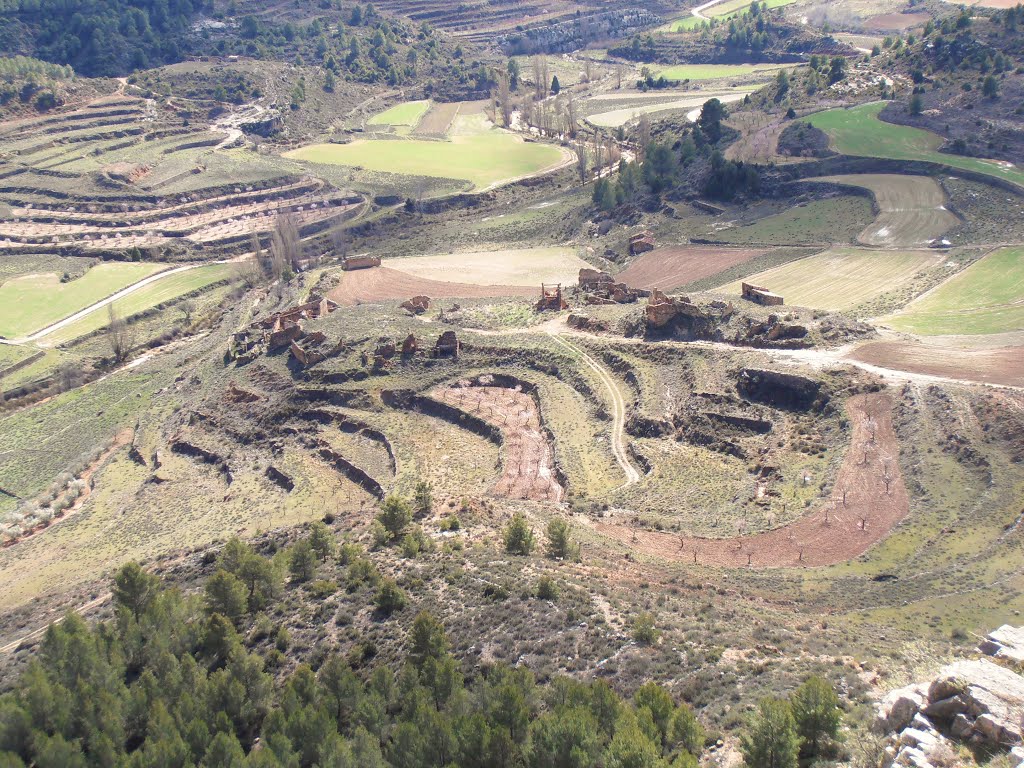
<point x="618" y="409"/>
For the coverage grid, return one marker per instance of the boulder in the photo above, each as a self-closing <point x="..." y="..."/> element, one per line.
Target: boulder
<point x="898" y="708"/>
<point x="1005" y="643"/>
<point x="993" y="697"/>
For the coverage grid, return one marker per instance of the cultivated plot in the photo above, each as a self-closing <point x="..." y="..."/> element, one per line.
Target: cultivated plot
<point x="686" y="101"/>
<point x="841" y="278"/>
<point x="369" y="286"/>
<point x="528" y="267"/>
<point x="716" y="71"/>
<point x="859" y="131"/>
<point x="148" y="297"/>
<point x="477" y="152"/>
<point x="408" y="113"/>
<point x="912" y="209"/>
<point x="677" y="265"/>
<point x="32" y="302"/>
<point x="987" y="297"/>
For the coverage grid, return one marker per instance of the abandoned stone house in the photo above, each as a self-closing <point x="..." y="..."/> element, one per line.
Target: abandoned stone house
<point x="760" y="295"/>
<point x="642" y="242"/>
<point x="551" y="298"/>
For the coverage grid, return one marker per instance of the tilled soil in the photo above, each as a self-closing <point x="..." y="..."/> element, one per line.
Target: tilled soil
<point x="527" y="467"/>
<point x="366" y="286"/>
<point x="837" y="531"/>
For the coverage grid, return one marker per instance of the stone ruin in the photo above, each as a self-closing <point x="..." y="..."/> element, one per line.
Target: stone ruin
<point x="551" y="298"/>
<point x="279" y="330"/>
<point x="410" y="346"/>
<point x="760" y="295"/>
<point x="360" y="262"/>
<point x="417" y="305"/>
<point x="663" y="310"/>
<point x="977" y="701"/>
<point x="447" y="345"/>
<point x="642" y="242"/>
<point x="600" y="288"/>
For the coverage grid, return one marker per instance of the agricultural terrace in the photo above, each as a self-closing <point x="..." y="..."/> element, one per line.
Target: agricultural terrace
<point x="160" y="292"/>
<point x="477" y="152"/>
<point x="912" y="209"/>
<point x="678" y="265"/>
<point x="408" y="114"/>
<point x="842" y="278"/>
<point x="718" y="11"/>
<point x="987" y="297"/>
<point x="513" y="266"/>
<point x="685" y="101"/>
<point x="32" y="302"/>
<point x="859" y="131"/>
<point x="681" y="72"/>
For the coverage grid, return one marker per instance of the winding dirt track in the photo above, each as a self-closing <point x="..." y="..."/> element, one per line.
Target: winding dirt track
<point x="618" y="410"/>
<point x="834" y="533"/>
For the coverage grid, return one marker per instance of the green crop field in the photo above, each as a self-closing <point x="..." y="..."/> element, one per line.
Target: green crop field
<point x="481" y="156"/>
<point x="859" y="131"/>
<point x="833" y="220"/>
<point x="715" y="71"/>
<point x="718" y="11"/>
<point x="987" y="297"/>
<point x="34" y="301"/>
<point x="161" y="291"/>
<point x="408" y="113"/>
<point x="841" y="278"/>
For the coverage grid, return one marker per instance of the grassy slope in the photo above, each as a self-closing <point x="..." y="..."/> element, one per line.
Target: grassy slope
<point x="858" y="131"/>
<point x="835" y="220"/>
<point x="145" y="298"/>
<point x="987" y="297"/>
<point x="32" y="302"/>
<point x="841" y="278"/>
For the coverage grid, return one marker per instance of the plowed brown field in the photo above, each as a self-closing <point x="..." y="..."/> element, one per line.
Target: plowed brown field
<point x="366" y="286"/>
<point x="676" y="265"/>
<point x="996" y="365"/>
<point x="527" y="466"/>
<point x="834" y="533"/>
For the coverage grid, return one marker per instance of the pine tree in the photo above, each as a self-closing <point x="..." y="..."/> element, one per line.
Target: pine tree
<point x="816" y="713"/>
<point x="772" y="741"/>
<point x="518" y="536"/>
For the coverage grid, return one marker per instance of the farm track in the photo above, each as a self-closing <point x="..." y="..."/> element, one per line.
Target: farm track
<point x="103" y="302"/>
<point x="869" y="499"/>
<point x="618" y="441"/>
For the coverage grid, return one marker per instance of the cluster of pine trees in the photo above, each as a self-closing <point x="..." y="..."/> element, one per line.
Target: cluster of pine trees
<point x="692" y="160"/>
<point x="171" y="681"/>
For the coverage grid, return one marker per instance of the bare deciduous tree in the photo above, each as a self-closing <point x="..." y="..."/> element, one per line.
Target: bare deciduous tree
<point x="120" y="335"/>
<point x="504" y="99"/>
<point x="286" y="250"/>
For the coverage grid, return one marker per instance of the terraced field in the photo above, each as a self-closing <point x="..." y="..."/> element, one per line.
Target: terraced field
<point x="34" y="301"/>
<point x="146" y="298"/>
<point x="986" y="298"/>
<point x="912" y="209"/>
<point x="406" y="114"/>
<point x="515" y="266"/>
<point x="682" y="72"/>
<point x="859" y="131"/>
<point x="119" y="174"/>
<point x="482" y="155"/>
<point x="842" y="278"/>
<point x="627" y="110"/>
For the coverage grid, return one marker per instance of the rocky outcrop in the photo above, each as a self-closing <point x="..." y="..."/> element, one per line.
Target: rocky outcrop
<point x="975" y="701"/>
<point x="1005" y="643"/>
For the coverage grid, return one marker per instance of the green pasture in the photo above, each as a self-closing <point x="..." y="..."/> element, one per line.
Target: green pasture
<point x="719" y="11"/>
<point x="987" y="297"/>
<point x="408" y="113"/>
<point x="715" y="71"/>
<point x="833" y="220"/>
<point x="34" y="301"/>
<point x="482" y="156"/>
<point x="159" y="292"/>
<point x="859" y="131"/>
